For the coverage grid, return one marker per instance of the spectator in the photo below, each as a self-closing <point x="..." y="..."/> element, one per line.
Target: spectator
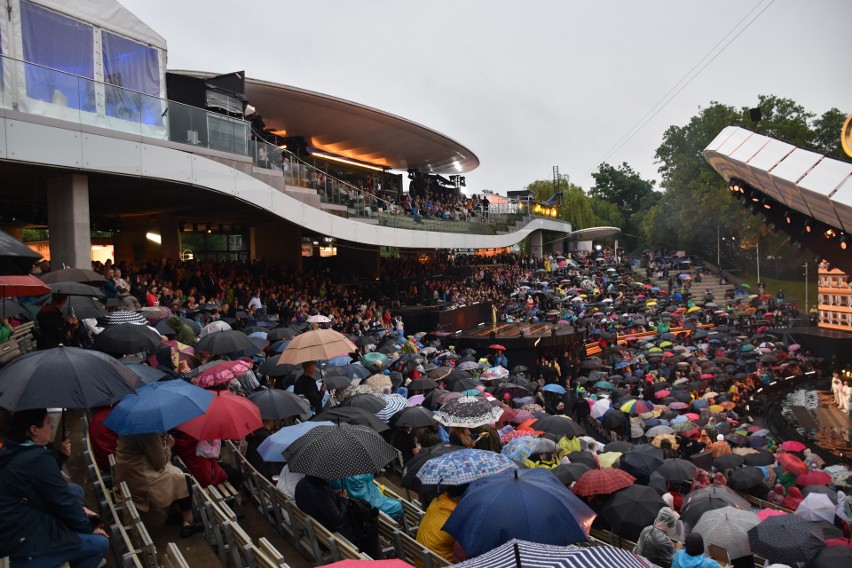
<point x="306" y="386"/>
<point x="655" y="542"/>
<point x="692" y="554"/>
<point x="43" y="522"/>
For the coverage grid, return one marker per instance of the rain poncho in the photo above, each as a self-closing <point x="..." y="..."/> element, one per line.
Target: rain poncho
<point x="654" y="542"/>
<point x="362" y="487"/>
<point x="430" y="532"/>
<point x="183" y="333"/>
<point x="570" y="444"/>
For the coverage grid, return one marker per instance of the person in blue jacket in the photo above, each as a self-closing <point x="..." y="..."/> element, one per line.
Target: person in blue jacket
<point x="692" y="554"/>
<point x="362" y="487"/>
<point x="43" y="523"/>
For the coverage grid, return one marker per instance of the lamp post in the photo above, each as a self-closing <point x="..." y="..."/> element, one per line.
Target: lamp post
<point x="806" y="290"/>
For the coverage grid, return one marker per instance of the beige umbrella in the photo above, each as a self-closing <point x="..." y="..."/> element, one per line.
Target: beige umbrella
<point x="317" y="344"/>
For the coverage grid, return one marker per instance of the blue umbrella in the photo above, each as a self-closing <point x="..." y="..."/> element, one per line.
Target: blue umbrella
<point x="272" y="447"/>
<point x="462" y="467"/>
<point x="605" y="385"/>
<point x="146" y="373"/>
<point x="259" y="334"/>
<point x="279" y="346"/>
<point x="158" y="407"/>
<point x="553" y="387"/>
<point x="622" y="364"/>
<point x="340" y="361"/>
<point x="530" y="504"/>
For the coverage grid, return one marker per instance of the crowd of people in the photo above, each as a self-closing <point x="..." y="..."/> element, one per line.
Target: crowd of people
<point x="662" y="380"/>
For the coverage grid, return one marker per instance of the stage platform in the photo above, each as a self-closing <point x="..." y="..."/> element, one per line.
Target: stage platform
<point x="834" y="429"/>
<point x="524" y="342"/>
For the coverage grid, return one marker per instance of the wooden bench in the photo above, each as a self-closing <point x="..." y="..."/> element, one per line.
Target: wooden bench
<point x="268" y="556"/>
<point x="612" y="539"/>
<point x="173" y="557"/>
<point x="128" y="514"/>
<point x="412" y="514"/>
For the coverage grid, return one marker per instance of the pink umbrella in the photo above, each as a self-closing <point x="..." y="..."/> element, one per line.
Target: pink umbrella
<point x="813" y="478"/>
<point x="678" y="406"/>
<point x="793" y="446"/>
<point x="221" y="373"/>
<point x="663" y="394"/>
<point x="416" y="399"/>
<point x="794" y="347"/>
<point x="766" y="513"/>
<point x="692" y="416"/>
<point x="707" y="376"/>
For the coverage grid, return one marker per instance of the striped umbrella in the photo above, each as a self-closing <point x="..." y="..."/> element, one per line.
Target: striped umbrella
<point x="523" y="553"/>
<point x="637" y="406"/>
<point x="393" y="404"/>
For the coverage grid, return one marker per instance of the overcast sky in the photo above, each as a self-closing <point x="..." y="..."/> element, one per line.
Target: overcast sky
<point x="526" y="85"/>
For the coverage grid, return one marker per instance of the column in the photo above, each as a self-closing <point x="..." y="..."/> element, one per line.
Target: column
<point x="536" y="246"/>
<point x="68" y="221"/>
<point x="559" y="244"/>
<point x="169" y="237"/>
<point x="277" y="240"/>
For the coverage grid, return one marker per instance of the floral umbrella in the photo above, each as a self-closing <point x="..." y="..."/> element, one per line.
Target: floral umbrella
<point x="221" y="373"/>
<point x="462" y="467"/>
<point x="468" y="412"/>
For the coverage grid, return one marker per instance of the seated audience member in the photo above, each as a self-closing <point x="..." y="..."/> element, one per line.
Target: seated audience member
<point x="42" y="522"/>
<point x="692" y="554"/>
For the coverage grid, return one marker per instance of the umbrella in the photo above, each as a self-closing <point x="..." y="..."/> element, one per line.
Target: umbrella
<point x="271" y="368"/>
<point x="409" y="478"/>
<point x="219" y="373"/>
<point x="816" y="507"/>
<point x="335" y="452"/>
<point x="630" y="510"/>
<point x="462" y="467"/>
<point x="559" y="426"/>
<point x="145" y="373"/>
<point x="468" y="412"/>
<point x="676" y="469"/>
<point x="745" y="478"/>
<point x="727" y="527"/>
<point x="272" y="448"/>
<point x="831" y="557"/>
<point x="216" y="326"/>
<point x="375" y="359"/>
<point x="368" y="402"/>
<point x="692" y="513"/>
<point x="614" y="419"/>
<point x="276" y="404"/>
<point x="568" y="473"/>
<point x="532" y="505"/>
<point x="792" y="446"/>
<point x="415" y="417"/>
<point x="158" y="407"/>
<point x="495" y="373"/>
<point x="15" y="256"/>
<point x="729" y="496"/>
<point x="64" y="377"/>
<point x="643" y="460"/>
<point x="393" y="403"/>
<point x="13" y="308"/>
<point x="813" y="478"/>
<point x="786" y="539"/>
<point x="334" y="382"/>
<point x="658" y="430"/>
<point x="762" y="457"/>
<point x="520" y="448"/>
<point x="127" y="338"/>
<point x="553" y="387"/>
<point x="618" y="446"/>
<point x="81" y="275"/>
<point x="75" y="289"/>
<point x="422" y="385"/>
<point x="728" y="461"/>
<point x="229" y="417"/>
<point x="764" y="514"/>
<point x="582" y="457"/>
<point x="84" y="307"/>
<point x="516" y="553"/>
<point x="497" y="347"/>
<point x="227" y="342"/>
<point x="317" y="344"/>
<point x="600" y="407"/>
<point x="792" y="464"/>
<point x="637" y="406"/>
<point x="602" y="482"/>
<point x="351" y="415"/>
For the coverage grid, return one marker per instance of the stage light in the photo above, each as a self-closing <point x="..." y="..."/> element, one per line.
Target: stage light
<point x="809" y="225"/>
<point x="767" y="203"/>
<point x="788" y="216"/>
<point x="844" y="242"/>
<point x="829" y="233"/>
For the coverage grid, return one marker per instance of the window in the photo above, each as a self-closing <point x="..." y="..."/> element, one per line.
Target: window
<point x="134" y="69"/>
<point x="62" y="50"/>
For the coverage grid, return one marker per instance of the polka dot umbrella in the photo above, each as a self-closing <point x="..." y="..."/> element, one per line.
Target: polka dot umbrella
<point x="335" y="452"/>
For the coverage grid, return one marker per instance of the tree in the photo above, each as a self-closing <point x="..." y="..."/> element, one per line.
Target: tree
<point x="827" y="134"/>
<point x="629" y="195"/>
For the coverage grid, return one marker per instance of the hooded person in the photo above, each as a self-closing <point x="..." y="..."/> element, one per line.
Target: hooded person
<point x="655" y="541"/>
<point x="182" y="332"/>
<point x="777" y="494"/>
<point x="166" y="363"/>
<point x="692" y="554"/>
<point x="793" y="499"/>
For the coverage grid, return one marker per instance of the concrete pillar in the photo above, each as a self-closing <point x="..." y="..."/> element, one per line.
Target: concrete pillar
<point x="68" y="221"/>
<point x="277" y="240"/>
<point x="536" y="246"/>
<point x="559" y="243"/>
<point x="170" y="237"/>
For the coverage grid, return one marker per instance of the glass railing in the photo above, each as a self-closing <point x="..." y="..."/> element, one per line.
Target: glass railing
<point x="42" y="91"/>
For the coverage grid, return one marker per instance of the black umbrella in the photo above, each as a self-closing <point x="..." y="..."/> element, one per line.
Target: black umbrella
<point x="336" y="381"/>
<point x="271" y="368"/>
<point x="416" y="416"/>
<point x="464" y="384"/>
<point x="75" y="289"/>
<point x="276" y="404"/>
<point x="614" y="419"/>
<point x="618" y="446"/>
<point x="351" y="415"/>
<point x="642" y="461"/>
<point x="83" y="307"/>
<point x="630" y="510"/>
<point x="676" y="469"/>
<point x="515" y="390"/>
<point x="15" y="256"/>
<point x="12" y="308"/>
<point x="409" y="471"/>
<point x="558" y="426"/>
<point x="582" y="457"/>
<point x="366" y="402"/>
<point x="127" y="338"/>
<point x="335" y="452"/>
<point x="832" y="557"/>
<point x="286" y="332"/>
<point x="422" y="385"/>
<point x="762" y="457"/>
<point x="728" y="461"/>
<point x="145" y="373"/>
<point x="226" y="342"/>
<point x="786" y="539"/>
<point x="64" y="377"/>
<point x="691" y="513"/>
<point x="568" y="473"/>
<point x="745" y="478"/>
<point x="81" y="275"/>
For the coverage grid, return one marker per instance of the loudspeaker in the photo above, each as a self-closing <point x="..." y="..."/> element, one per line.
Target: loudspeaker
<point x="755" y="114"/>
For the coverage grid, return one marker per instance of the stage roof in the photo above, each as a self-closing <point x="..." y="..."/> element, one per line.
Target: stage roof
<point x="353" y="130"/>
<point x="802" y="180"/>
<point x="594" y="233"/>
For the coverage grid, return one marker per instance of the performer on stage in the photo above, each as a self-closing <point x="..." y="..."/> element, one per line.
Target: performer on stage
<point x="836" y="388"/>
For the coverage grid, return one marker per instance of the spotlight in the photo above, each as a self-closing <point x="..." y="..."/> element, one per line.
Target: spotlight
<point x="844" y="242"/>
<point x="829" y="233"/>
<point x="788" y="216"/>
<point x="809" y="225"/>
<point x="767" y="203"/>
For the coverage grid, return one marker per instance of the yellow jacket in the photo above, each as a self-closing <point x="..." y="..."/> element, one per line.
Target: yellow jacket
<point x="430" y="534"/>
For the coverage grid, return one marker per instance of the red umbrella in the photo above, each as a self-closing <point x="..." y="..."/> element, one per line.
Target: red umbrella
<point x="663" y="394"/>
<point x="29" y="285"/>
<point x="792" y="464"/>
<point x="602" y="482"/>
<point x="519" y="434"/>
<point x="793" y="446"/>
<point x="497" y="346"/>
<point x="221" y="373"/>
<point x="229" y="417"/>
<point x="813" y="478"/>
<point x="766" y="513"/>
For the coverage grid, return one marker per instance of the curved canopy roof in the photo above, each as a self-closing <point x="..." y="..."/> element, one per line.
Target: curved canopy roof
<point x="353" y="130"/>
<point x="595" y="233"/>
